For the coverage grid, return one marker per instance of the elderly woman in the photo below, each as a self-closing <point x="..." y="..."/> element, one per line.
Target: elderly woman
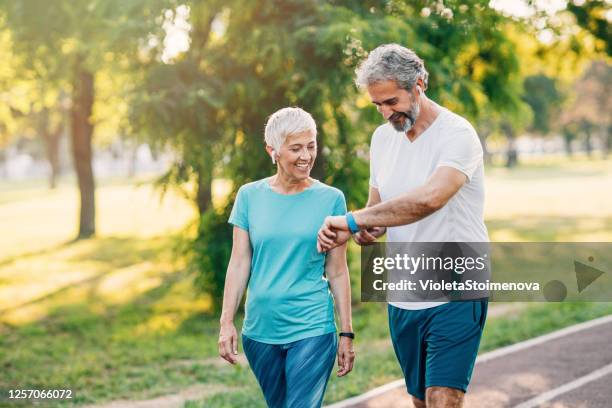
<point x="289" y="333"/>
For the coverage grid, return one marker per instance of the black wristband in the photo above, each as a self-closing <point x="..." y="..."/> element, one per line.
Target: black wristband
<point x="350" y="335"/>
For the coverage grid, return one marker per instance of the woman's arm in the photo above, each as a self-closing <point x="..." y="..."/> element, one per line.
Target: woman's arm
<point x="238" y="271"/>
<point x="337" y="273"/>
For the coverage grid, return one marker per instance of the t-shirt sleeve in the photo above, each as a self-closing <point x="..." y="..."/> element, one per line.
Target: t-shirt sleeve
<point x="462" y="151"/>
<point x="239" y="215"/>
<point x="340" y="205"/>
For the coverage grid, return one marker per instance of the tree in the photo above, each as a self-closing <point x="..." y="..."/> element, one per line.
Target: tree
<point x="32" y="106"/>
<point x="589" y="111"/>
<point x="11" y="88"/>
<point x="28" y="107"/>
<point x="249" y="58"/>
<point x="47" y="120"/>
<point x="69" y="42"/>
<point x="544" y="98"/>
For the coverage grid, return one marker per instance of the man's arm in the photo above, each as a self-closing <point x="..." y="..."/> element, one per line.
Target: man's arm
<point x="416" y="204"/>
<point x="404" y="209"/>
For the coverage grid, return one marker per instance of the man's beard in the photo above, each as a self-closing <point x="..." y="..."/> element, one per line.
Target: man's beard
<point x="410" y="118"/>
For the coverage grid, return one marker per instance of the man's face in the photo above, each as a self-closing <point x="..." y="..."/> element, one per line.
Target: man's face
<point x="397" y="105"/>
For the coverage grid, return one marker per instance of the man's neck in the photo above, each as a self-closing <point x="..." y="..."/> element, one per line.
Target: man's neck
<point x="428" y="114"/>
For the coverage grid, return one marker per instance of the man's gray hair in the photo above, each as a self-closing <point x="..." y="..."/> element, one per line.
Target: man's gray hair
<point x="391" y="62"/>
<point x="285" y="122"/>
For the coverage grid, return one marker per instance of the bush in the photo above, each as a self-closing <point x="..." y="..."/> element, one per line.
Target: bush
<point x="211" y="253"/>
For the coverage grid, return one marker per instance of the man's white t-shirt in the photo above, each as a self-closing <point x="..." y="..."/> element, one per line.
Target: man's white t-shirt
<point x="398" y="165"/>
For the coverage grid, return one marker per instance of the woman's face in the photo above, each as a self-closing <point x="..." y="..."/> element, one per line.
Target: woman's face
<point x="297" y="155"/>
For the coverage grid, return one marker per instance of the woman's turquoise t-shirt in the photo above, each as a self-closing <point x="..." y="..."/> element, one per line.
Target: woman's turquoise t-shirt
<point x="288" y="297"/>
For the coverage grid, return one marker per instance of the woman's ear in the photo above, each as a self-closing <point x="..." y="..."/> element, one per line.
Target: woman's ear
<point x="272" y="153"/>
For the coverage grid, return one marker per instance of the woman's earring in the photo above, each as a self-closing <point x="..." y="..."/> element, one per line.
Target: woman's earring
<point x="272" y="156"/>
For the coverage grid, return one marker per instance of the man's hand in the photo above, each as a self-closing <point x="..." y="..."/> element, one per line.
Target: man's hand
<point x="334" y="232"/>
<point x="346" y="356"/>
<point x="228" y="343"/>
<point x="367" y="237"/>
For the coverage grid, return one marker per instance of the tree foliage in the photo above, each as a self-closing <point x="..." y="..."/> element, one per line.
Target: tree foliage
<point x="65" y="44"/>
<point x="246" y="59"/>
<point x="593" y="16"/>
<point x="249" y="58"/>
<point x="545" y="100"/>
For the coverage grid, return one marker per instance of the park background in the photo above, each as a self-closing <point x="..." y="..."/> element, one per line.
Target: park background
<point x="127" y="126"/>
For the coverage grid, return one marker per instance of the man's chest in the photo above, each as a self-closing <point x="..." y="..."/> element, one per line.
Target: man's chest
<point x="402" y="168"/>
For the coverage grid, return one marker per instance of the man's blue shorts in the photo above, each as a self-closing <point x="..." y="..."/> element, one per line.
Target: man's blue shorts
<point x="438" y="346"/>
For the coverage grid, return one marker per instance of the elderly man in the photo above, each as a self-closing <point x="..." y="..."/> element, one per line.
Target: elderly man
<point x="426" y="185"/>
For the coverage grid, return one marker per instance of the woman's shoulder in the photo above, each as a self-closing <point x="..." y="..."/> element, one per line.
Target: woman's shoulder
<point x="327" y="189"/>
<point x="253" y="185"/>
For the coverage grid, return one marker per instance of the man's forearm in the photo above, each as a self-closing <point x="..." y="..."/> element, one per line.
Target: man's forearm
<point x="405" y="209"/>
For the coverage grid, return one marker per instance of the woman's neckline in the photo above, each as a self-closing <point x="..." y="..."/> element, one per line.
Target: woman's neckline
<point x="269" y="186"/>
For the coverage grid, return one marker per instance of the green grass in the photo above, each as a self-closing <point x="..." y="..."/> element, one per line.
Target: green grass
<point x="117" y="317"/>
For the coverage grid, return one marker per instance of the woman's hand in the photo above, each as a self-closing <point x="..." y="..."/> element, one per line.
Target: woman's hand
<point x="228" y="342"/>
<point x="346" y="356"/>
<point x="366" y="237"/>
<point x="333" y="233"/>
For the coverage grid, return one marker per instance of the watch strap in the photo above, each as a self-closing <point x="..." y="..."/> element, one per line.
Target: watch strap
<point x="352" y="224"/>
<point x="350" y="335"/>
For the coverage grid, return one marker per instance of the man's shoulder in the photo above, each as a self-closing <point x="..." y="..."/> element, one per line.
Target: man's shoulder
<point x="383" y="133"/>
<point x="455" y="123"/>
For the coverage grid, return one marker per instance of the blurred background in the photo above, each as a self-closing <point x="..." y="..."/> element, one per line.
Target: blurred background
<point x="127" y="126"/>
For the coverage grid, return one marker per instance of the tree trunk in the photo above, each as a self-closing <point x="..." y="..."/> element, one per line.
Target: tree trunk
<point x="588" y="146"/>
<point x="203" y="15"/>
<point x="53" y="143"/>
<point x="511" y="155"/>
<point x="567" y="138"/>
<point x="51" y="140"/>
<point x="511" y="152"/>
<point x="486" y="155"/>
<point x="205" y="177"/>
<point x="133" y="158"/>
<point x="605" y="140"/>
<point x="82" y="131"/>
<point x="204" y="194"/>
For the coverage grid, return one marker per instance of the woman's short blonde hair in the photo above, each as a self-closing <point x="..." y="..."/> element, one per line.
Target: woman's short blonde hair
<point x="285" y="122"/>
